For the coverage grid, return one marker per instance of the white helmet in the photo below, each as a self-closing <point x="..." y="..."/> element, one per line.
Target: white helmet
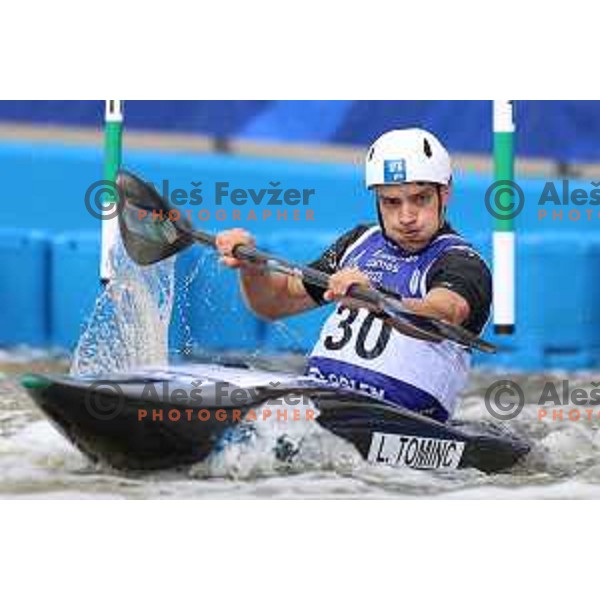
<point x="405" y="155"/>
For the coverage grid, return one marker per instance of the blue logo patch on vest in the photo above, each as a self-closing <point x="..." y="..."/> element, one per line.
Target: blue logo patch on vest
<point x="394" y="171"/>
<point x="390" y="267"/>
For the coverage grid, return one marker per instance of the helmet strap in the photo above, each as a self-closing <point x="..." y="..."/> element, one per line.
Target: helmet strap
<point x="379" y="218"/>
<point x="442" y="210"/>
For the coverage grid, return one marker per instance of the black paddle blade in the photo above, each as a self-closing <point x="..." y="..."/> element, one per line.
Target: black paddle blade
<point x="148" y="234"/>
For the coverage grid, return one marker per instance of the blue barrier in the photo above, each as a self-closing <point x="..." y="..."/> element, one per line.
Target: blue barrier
<point x="54" y="198"/>
<point x="24" y="287"/>
<point x="558" y="315"/>
<point x="74" y="285"/>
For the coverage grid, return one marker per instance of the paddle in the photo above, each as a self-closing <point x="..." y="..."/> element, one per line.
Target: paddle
<point x="150" y="234"/>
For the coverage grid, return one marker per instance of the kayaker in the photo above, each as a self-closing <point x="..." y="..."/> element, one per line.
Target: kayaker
<point x="413" y="252"/>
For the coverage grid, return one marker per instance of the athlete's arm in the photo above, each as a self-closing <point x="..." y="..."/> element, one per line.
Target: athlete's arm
<point x="441" y="304"/>
<point x="269" y="295"/>
<point x="275" y="295"/>
<point x="460" y="290"/>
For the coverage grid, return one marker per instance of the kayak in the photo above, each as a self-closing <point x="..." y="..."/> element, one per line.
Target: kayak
<point x="168" y="418"/>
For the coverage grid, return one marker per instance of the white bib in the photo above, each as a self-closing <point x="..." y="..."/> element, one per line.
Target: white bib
<point x="358" y="338"/>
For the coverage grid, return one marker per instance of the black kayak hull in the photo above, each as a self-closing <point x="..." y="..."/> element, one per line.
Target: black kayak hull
<point x="114" y="420"/>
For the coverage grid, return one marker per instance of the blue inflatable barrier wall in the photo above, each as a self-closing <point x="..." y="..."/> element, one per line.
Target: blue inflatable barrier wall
<point x="74" y="285"/>
<point x="24" y="287"/>
<point x="48" y="283"/>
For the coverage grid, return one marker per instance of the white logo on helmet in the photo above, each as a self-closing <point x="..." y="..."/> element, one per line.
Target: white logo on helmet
<point x="394" y="171"/>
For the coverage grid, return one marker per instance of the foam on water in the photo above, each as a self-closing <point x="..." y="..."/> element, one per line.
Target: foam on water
<point x="273" y="446"/>
<point x="565" y="461"/>
<point x="36" y="458"/>
<point x="37" y="461"/>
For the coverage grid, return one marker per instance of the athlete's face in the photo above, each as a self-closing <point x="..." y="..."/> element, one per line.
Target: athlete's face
<point x="411" y="212"/>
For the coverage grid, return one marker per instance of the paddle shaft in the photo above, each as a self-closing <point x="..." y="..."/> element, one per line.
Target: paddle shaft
<point x="377" y="299"/>
<point x="280" y="265"/>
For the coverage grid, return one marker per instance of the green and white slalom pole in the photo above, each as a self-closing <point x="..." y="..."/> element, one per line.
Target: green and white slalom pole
<point x="113" y="140"/>
<point x="504" y="229"/>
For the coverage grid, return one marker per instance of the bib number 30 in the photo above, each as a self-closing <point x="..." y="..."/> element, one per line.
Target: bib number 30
<point x="347" y="317"/>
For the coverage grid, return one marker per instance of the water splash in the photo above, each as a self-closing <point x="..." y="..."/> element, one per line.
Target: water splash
<point x="129" y="325"/>
<point x="267" y="447"/>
